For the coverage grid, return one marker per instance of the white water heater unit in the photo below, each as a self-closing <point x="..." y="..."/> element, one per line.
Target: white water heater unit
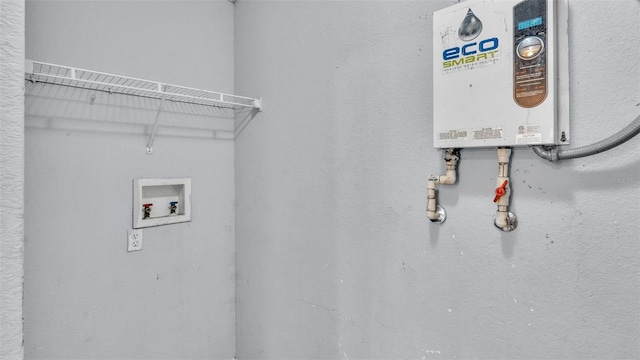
<point x="500" y="74"/>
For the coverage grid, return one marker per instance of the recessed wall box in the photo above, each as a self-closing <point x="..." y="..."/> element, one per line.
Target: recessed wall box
<point x="161" y="201"/>
<point x="500" y="74"/>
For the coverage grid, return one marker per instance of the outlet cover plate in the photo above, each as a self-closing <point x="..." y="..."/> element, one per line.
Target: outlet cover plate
<point x="134" y="240"/>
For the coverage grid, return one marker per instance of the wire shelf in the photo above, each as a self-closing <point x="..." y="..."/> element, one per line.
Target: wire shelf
<point x="40" y="72"/>
<point x="37" y="71"/>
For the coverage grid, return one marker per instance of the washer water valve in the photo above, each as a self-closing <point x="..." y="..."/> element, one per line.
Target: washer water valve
<point x="173" y="208"/>
<point x="505" y="220"/>
<point x="147" y="210"/>
<point x="501" y="190"/>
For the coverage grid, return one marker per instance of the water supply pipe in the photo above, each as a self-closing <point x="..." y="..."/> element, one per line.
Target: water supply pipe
<point x="505" y="220"/>
<point x="435" y="212"/>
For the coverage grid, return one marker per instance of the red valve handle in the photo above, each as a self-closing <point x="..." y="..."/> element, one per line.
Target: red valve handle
<point x="500" y="191"/>
<point x="147" y="205"/>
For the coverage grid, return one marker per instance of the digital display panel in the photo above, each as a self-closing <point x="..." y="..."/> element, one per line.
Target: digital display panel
<point x="530" y="23"/>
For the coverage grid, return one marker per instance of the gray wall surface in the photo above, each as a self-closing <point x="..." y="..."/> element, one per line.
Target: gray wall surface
<point x="85" y="296"/>
<point x="335" y="257"/>
<point x="11" y="177"/>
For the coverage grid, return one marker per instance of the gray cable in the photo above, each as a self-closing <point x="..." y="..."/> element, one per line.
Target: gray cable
<point x="555" y="154"/>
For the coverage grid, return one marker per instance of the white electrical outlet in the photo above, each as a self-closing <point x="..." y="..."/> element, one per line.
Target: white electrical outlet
<point x="134" y="240"/>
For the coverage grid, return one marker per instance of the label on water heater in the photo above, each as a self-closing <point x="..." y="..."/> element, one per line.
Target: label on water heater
<point x="530" y="55"/>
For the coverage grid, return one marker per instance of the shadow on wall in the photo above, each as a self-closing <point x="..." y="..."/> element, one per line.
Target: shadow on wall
<point x="59" y="107"/>
<point x="244" y="116"/>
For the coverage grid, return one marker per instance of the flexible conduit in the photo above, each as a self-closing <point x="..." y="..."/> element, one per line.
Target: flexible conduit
<point x="555" y="154"/>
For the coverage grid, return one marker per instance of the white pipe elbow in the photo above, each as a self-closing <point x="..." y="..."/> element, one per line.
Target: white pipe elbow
<point x="502" y="219"/>
<point x="449" y="178"/>
<point x="433" y="215"/>
<point x="505" y="220"/>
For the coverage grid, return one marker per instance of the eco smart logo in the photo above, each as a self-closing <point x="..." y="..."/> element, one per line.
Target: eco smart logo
<point x="474" y="52"/>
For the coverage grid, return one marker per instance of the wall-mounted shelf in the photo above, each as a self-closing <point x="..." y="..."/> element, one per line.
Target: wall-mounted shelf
<point x="37" y="71"/>
<point x="93" y="80"/>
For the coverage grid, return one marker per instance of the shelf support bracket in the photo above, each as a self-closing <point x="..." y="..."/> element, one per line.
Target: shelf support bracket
<point x="257" y="103"/>
<point x="152" y="136"/>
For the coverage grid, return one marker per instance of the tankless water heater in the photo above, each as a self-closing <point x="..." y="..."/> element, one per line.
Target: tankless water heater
<point x="500" y="74"/>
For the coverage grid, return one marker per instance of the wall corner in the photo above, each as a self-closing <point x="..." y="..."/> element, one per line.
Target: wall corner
<point x="12" y="56"/>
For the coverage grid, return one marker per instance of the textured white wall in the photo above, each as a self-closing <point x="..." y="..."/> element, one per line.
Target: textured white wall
<point x="335" y="256"/>
<point x="85" y="296"/>
<point x="11" y="176"/>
